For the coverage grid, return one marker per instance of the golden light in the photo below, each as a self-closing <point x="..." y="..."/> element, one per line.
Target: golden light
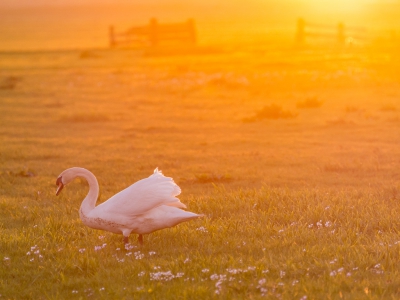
<point x="340" y="7"/>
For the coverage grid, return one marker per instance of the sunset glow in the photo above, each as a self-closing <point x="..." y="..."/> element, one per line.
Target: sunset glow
<point x="275" y="122"/>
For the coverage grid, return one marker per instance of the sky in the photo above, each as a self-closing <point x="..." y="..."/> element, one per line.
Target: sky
<point x="26" y="3"/>
<point x="60" y="23"/>
<point x="312" y="6"/>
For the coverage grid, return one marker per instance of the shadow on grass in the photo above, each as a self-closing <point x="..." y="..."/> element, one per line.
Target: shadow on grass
<point x="309" y="103"/>
<point x="271" y="112"/>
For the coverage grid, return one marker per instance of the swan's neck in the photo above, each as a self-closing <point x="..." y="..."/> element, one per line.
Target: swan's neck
<point x="90" y="200"/>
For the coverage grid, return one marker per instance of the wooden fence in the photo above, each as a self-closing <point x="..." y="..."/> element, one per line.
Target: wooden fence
<point x="155" y="34"/>
<point x="340" y="33"/>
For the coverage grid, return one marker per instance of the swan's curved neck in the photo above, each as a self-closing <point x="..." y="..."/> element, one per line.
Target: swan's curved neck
<point x="90" y="200"/>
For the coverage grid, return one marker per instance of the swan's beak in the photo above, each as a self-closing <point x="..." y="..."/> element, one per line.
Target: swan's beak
<point x="60" y="185"/>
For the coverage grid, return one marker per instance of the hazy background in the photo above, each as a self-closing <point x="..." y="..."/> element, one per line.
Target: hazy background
<point x="44" y="24"/>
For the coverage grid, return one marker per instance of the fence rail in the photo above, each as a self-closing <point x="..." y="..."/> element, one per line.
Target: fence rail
<point x="155" y="34"/>
<point x="340" y="33"/>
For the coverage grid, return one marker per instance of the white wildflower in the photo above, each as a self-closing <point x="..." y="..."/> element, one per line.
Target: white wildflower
<point x="138" y="255"/>
<point x="162" y="276"/>
<point x="319" y="224"/>
<point x="261" y="282"/>
<point x="202" y="229"/>
<point x="129" y="247"/>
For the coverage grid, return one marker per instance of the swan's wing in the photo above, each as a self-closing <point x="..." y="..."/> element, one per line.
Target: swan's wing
<point x="142" y="196"/>
<point x="161" y="217"/>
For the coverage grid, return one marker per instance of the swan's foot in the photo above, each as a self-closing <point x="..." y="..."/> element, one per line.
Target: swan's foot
<point x="140" y="239"/>
<point x="126" y="240"/>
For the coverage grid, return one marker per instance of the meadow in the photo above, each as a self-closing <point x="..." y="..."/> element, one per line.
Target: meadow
<point x="292" y="155"/>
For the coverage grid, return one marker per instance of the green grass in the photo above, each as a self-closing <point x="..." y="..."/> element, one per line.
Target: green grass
<point x="303" y="206"/>
<point x="278" y="243"/>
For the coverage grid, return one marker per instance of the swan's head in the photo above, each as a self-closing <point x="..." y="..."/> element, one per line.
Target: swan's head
<point x="66" y="177"/>
<point x="60" y="185"/>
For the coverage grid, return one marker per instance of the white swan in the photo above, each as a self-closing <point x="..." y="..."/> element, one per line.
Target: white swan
<point x="144" y="207"/>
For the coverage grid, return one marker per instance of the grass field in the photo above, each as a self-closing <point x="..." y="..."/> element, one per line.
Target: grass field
<point x="293" y="157"/>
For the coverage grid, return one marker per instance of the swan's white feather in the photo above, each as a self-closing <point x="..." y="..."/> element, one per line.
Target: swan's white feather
<point x="163" y="216"/>
<point x="142" y="196"/>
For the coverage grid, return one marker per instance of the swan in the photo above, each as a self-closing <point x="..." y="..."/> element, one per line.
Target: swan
<point x="144" y="207"/>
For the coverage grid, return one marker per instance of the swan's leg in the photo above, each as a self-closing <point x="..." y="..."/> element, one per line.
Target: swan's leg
<point x="140" y="239"/>
<point x="126" y="240"/>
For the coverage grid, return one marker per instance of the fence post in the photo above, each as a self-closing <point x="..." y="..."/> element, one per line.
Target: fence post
<point x="341" y="37"/>
<point x="301" y="33"/>
<point x="111" y="36"/>
<point x="153" y="32"/>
